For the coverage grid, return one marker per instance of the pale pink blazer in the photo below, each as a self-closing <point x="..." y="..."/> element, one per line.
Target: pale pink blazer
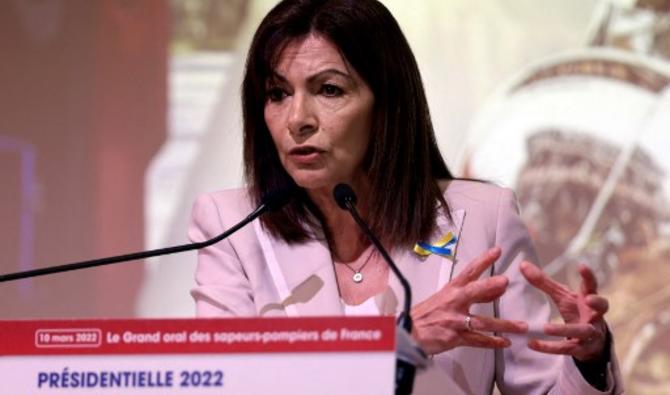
<point x="253" y="274"/>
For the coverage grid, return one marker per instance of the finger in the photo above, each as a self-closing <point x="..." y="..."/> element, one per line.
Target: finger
<point x="575" y="331"/>
<point x="598" y="303"/>
<point x="476" y="267"/>
<point x="483" y="291"/>
<point x="589" y="282"/>
<point x="475" y="339"/>
<point x="538" y="279"/>
<point x="497" y="325"/>
<point x="565" y="347"/>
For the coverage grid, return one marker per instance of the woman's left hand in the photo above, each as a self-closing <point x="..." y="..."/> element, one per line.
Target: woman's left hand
<point x="584" y="329"/>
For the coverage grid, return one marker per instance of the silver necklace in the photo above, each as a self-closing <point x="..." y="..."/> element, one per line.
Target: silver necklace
<point x="358" y="273"/>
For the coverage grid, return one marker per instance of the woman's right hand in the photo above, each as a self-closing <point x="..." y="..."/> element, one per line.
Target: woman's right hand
<point x="441" y="322"/>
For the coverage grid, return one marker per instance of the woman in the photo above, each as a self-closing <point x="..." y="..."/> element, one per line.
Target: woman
<point x="332" y="94"/>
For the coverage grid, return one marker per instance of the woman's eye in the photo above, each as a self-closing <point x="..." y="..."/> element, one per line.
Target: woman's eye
<point x="275" y="94"/>
<point x="331" y="90"/>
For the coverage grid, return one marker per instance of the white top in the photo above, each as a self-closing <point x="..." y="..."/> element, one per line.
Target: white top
<point x="369" y="307"/>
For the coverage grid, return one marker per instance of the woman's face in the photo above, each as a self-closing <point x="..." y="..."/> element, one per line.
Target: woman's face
<point x="318" y="111"/>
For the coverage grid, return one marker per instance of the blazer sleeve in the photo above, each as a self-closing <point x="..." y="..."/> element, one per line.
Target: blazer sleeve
<point x="223" y="289"/>
<point x="520" y="370"/>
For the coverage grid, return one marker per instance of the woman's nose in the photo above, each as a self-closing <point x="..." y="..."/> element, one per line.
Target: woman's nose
<point x="302" y="120"/>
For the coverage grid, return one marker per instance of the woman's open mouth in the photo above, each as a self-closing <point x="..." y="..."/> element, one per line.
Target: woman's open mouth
<point x="305" y="154"/>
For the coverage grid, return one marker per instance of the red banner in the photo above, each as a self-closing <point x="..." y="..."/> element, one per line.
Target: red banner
<point x="171" y="336"/>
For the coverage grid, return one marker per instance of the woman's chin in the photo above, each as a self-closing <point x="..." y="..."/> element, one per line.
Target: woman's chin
<point x="321" y="179"/>
<point x="313" y="181"/>
<point x="312" y="184"/>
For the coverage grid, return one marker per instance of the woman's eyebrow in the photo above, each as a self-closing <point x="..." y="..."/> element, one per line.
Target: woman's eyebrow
<point x="277" y="77"/>
<point x="327" y="72"/>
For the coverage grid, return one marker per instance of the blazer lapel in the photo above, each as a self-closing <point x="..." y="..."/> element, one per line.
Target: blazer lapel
<point x="303" y="275"/>
<point x="430" y="272"/>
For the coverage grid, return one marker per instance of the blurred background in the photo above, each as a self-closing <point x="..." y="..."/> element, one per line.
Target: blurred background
<point x="115" y="114"/>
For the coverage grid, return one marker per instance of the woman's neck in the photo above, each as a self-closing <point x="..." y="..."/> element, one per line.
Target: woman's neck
<point x="347" y="241"/>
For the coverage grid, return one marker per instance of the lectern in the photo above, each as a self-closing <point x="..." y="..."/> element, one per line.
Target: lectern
<point x="329" y="355"/>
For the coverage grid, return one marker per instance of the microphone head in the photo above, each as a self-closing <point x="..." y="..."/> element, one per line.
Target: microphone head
<point x="344" y="194"/>
<point x="274" y="200"/>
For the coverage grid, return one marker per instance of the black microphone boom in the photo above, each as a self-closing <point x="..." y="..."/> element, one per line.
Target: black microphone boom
<point x="405" y="371"/>
<point x="346" y="199"/>
<point x="270" y="202"/>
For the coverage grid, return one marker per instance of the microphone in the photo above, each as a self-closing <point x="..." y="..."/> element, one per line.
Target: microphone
<point x="405" y="371"/>
<point x="346" y="199"/>
<point x="272" y="201"/>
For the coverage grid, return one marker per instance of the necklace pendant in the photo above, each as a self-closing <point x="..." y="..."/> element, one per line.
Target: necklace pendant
<point x="358" y="277"/>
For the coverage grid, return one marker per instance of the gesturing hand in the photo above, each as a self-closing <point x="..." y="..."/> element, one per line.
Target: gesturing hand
<point x="584" y="329"/>
<point x="441" y="322"/>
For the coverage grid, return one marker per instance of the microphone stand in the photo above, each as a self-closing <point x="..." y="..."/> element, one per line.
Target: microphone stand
<point x="404" y="320"/>
<point x="405" y="371"/>
<point x="273" y="201"/>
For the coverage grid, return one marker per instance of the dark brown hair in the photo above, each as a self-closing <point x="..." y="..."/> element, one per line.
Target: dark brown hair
<point x="403" y="163"/>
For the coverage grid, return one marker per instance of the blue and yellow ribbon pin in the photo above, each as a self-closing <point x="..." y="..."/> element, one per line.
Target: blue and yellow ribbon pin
<point x="444" y="246"/>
